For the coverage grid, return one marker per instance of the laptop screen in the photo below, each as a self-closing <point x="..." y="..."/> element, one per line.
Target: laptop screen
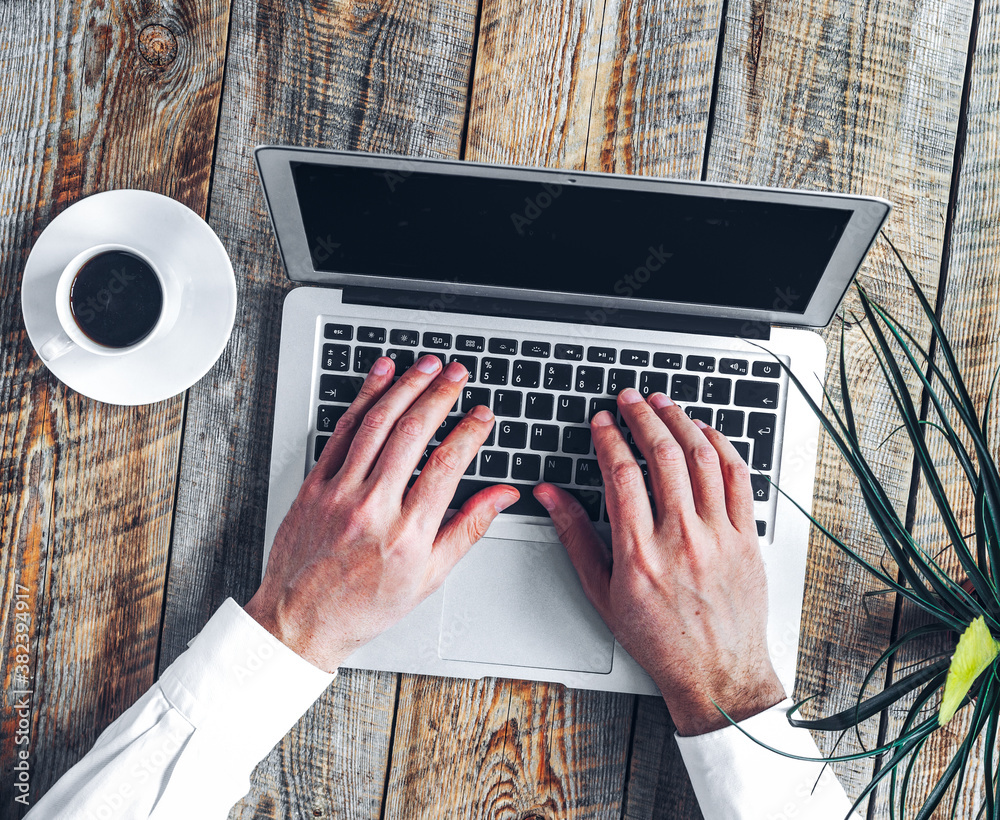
<point x="566" y="238"/>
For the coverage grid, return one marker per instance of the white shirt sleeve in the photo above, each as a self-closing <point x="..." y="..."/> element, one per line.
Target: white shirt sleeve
<point x="188" y="746"/>
<point x="734" y="778"/>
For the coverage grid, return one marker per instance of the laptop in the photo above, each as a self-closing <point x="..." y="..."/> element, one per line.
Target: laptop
<point x="557" y="289"/>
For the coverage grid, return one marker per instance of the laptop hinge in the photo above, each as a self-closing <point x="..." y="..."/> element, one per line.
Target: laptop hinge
<point x="548" y="311"/>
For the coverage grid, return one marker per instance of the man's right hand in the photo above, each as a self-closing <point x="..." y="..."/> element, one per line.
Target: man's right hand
<point x="685" y="593"/>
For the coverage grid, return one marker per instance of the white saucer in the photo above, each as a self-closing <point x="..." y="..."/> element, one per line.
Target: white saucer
<point x="175" y="238"/>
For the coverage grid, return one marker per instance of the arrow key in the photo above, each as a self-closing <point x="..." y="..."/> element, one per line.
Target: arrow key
<point x="756" y="394"/>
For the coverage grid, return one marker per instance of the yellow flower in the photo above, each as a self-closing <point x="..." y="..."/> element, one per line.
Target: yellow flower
<point x="975" y="652"/>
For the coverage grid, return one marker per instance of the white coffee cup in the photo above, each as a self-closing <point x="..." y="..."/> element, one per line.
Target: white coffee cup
<point x="71" y="335"/>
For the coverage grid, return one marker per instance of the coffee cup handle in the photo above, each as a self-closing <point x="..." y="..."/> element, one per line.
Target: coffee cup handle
<point x="55" y="347"/>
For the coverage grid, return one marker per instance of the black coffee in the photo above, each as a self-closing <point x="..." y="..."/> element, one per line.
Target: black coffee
<point x="116" y="299"/>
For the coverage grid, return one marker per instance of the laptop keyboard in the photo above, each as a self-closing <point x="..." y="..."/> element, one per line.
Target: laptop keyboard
<point x="544" y="393"/>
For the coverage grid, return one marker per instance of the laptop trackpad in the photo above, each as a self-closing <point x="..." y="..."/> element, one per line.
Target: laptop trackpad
<point x="520" y="603"/>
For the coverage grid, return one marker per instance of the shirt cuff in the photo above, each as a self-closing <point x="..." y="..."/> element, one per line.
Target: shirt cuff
<point x="735" y="778"/>
<point x="236" y="673"/>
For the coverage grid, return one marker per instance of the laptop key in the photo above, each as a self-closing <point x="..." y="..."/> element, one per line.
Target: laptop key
<point x="761" y="487"/>
<point x="336" y="357"/>
<point x="764" y="370"/>
<point x="339" y="388"/>
<point x="471" y="344"/>
<point x="403" y="358"/>
<point x="602" y="355"/>
<point x="702" y="413"/>
<point x="618" y="380"/>
<point x="525" y="466"/>
<point x="729" y="422"/>
<point x="743" y="448"/>
<point x="439" y="341"/>
<point x="545" y="437"/>
<point x="440" y="356"/>
<point x="636" y="358"/>
<point x="365" y="357"/>
<point x="736" y="367"/>
<point x="576" y="440"/>
<point x="446" y="426"/>
<point x="342" y="332"/>
<point x="327" y="417"/>
<point x="427" y="454"/>
<point x="494" y="371"/>
<point x="507" y="403"/>
<point x="527" y="504"/>
<point x="525" y="374"/>
<point x="513" y="434"/>
<point x="716" y="390"/>
<point x="468" y="362"/>
<point x="588" y="473"/>
<point x="558" y="469"/>
<point x="573" y="353"/>
<point x="558" y="377"/>
<point x="704" y="364"/>
<point x="408" y="338"/>
<point x="684" y="387"/>
<point x="760" y="429"/>
<point x="505" y="346"/>
<point x="539" y="406"/>
<point x="318" y="447"/>
<point x="761" y="528"/>
<point x="537" y="350"/>
<point x="667" y="361"/>
<point x="597" y="405"/>
<point x="493" y="464"/>
<point x="756" y="394"/>
<point x="471" y="396"/>
<point x="571" y="408"/>
<point x="650" y="383"/>
<point x="590" y="500"/>
<point x="371" y="335"/>
<point x="589" y="379"/>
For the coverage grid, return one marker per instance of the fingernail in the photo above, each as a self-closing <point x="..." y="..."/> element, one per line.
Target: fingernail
<point x="700" y="423"/>
<point x="382" y="366"/>
<point x="428" y="364"/>
<point x="603" y="419"/>
<point x="629" y="396"/>
<point x="455" y="372"/>
<point x="546" y="500"/>
<point x="505" y="501"/>
<point x="481" y="412"/>
<point x="658" y="401"/>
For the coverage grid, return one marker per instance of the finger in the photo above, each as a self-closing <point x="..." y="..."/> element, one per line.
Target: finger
<point x="665" y="460"/>
<point x="377" y="425"/>
<point x="736" y="478"/>
<point x="702" y="459"/>
<point x="378" y="380"/>
<point x="457" y="535"/>
<point x="586" y="549"/>
<point x="434" y="488"/>
<point x="625" y="490"/>
<point x="409" y="436"/>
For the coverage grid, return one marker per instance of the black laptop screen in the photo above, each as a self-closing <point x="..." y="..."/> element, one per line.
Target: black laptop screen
<point x="571" y="238"/>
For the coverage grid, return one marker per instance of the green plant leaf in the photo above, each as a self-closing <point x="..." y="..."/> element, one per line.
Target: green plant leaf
<point x="976" y="650"/>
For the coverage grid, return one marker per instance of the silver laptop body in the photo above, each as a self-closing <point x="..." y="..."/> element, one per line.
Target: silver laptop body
<point x="516" y="271"/>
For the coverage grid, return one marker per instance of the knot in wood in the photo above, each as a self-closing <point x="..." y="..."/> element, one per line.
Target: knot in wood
<point x="157" y="45"/>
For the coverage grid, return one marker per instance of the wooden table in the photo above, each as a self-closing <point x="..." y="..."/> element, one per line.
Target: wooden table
<point x="124" y="528"/>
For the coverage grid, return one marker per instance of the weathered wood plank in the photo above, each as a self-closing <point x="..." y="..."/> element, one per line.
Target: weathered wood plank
<point x="384" y="77"/>
<point x="88" y="488"/>
<point x="970" y="313"/>
<point x="860" y="97"/>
